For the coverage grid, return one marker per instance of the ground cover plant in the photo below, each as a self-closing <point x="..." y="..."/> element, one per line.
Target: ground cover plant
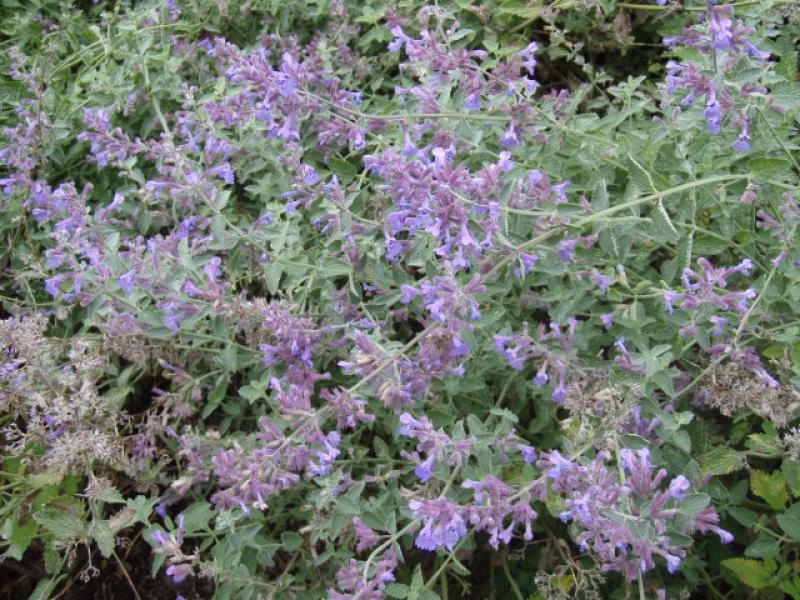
<point x="362" y="300"/>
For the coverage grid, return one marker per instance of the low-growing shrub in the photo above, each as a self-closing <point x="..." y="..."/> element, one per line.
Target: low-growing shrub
<point x="361" y="300"/>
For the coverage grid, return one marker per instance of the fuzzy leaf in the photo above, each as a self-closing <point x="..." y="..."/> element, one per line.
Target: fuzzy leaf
<point x="754" y="573"/>
<point x="770" y="487"/>
<point x="102" y="534"/>
<point x="61" y="523"/>
<point x="790" y="521"/>
<point x="764" y="546"/>
<point x="722" y="461"/>
<point x="661" y="226"/>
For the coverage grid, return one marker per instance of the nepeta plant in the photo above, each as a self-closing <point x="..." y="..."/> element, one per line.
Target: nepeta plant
<point x="403" y="301"/>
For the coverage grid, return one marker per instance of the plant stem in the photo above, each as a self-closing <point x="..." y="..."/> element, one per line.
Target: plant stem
<point x="511" y="581"/>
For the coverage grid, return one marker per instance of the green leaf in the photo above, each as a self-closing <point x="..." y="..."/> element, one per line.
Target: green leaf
<point x="197" y="517"/>
<point x="694" y="503"/>
<point x="640" y="177"/>
<point x="61" y="523"/>
<point x="251" y="392"/>
<point x="600" y="196"/>
<point x="522" y="10"/>
<point x="679" y="539"/>
<point x="291" y="541"/>
<point x="273" y="276"/>
<point x="767" y="167"/>
<point x="142" y="507"/>
<point x="791" y="471"/>
<point x="722" y="461"/>
<point x="764" y="546"/>
<point x="745" y="516"/>
<point x="790" y="521"/>
<point x="20" y="538"/>
<point x="764" y="443"/>
<point x="633" y="441"/>
<point x="102" y="534"/>
<point x="45" y="588"/>
<point x="416" y="584"/>
<point x="215" y="396"/>
<point x="111" y="496"/>
<point x="53" y="561"/>
<point x="344" y="170"/>
<point x="397" y="590"/>
<point x="661" y="226"/>
<point x="770" y="487"/>
<point x="333" y="267"/>
<point x="754" y="573"/>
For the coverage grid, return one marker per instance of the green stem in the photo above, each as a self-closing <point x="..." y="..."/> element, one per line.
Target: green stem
<point x="511" y="581"/>
<point x="600" y="215"/>
<point x="653" y="7"/>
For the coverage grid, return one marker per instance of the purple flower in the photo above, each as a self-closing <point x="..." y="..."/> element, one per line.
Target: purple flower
<point x="566" y="249"/>
<point x="179" y="572"/>
<point x="435" y="445"/>
<point x="713" y="114"/>
<point x="509" y="139"/>
<point x="678" y="487"/>
<point x="742" y="143"/>
<point x="53" y="284"/>
<point x="365" y="537"/>
<point x="527" y="261"/>
<point x="559" y="394"/>
<point x="310" y="175"/>
<point x="127" y="281"/>
<point x="442" y="523"/>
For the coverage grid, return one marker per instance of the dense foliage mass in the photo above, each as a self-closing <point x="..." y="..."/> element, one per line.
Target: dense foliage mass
<point x="362" y="300"/>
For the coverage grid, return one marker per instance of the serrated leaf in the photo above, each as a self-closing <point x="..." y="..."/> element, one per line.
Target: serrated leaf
<point x="102" y="534"/>
<point x="60" y="523"/>
<point x="767" y="167"/>
<point x="790" y="521"/>
<point x="694" y="503"/>
<point x="764" y="443"/>
<point x="661" y="226"/>
<point x="640" y="177"/>
<point x="38" y="480"/>
<point x="522" y="10"/>
<point x="142" y="507"/>
<point x="344" y="171"/>
<point x="745" y="516"/>
<point x="679" y="539"/>
<point x="722" y="461"/>
<point x="396" y="590"/>
<point x="334" y="267"/>
<point x="273" y="277"/>
<point x="754" y="573"/>
<point x="20" y="538"/>
<point x="771" y="487"/>
<point x="45" y="588"/>
<point x="197" y="516"/>
<point x="633" y="441"/>
<point x="764" y="546"/>
<point x="291" y="541"/>
<point x="416" y="584"/>
<point x="111" y="496"/>
<point x="791" y="471"/>
<point x="215" y="396"/>
<point x="600" y="196"/>
<point x="53" y="561"/>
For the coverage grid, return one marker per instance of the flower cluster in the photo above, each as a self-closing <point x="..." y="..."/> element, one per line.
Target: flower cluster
<point x="518" y="349"/>
<point x="625" y="522"/>
<point x="294" y="288"/>
<point x="725" y="40"/>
